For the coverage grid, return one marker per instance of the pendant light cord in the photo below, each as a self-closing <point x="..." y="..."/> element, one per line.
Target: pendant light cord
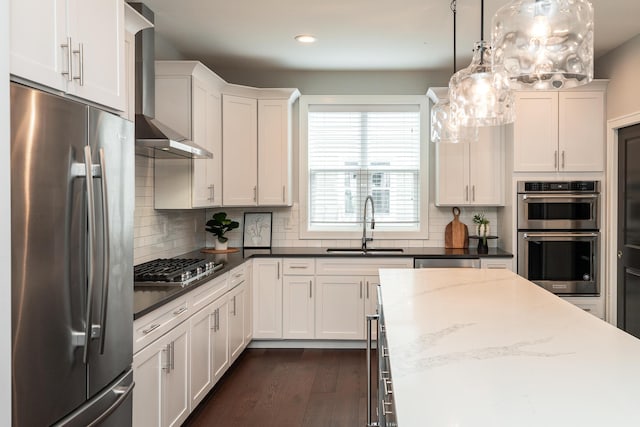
<point x="482" y="48"/>
<point x="454" y="9"/>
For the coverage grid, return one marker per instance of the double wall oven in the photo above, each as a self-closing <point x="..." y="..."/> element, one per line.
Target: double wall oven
<point x="559" y="235"/>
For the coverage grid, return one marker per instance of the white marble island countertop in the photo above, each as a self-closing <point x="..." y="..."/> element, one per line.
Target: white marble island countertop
<point x="478" y="347"/>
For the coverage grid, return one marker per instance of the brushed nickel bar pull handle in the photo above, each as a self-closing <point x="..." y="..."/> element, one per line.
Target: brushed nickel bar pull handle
<point x="91" y="222"/>
<point x="278" y="275"/>
<point x="69" y="72"/>
<point x="466" y="192"/>
<point x="283" y="194"/>
<point x="106" y="255"/>
<point x="361" y="289"/>
<point x="255" y="193"/>
<point x="562" y="159"/>
<point x="173" y="355"/>
<point x="167" y="351"/>
<point x="310" y="291"/>
<point x="555" y="159"/>
<point x="234" y="305"/>
<point x="473" y="192"/>
<point x="80" y="53"/>
<point x="367" y="289"/>
<point x="370" y="319"/>
<point x="179" y="311"/>
<point x="151" y="328"/>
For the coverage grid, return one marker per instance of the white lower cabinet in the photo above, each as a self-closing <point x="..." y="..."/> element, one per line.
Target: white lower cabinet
<point x="346" y="291"/>
<point x="340" y="307"/>
<point x="179" y="357"/>
<point x="298" y="307"/>
<point x="161" y="374"/>
<point x="220" y="338"/>
<point x="236" y="321"/>
<point x="267" y="298"/>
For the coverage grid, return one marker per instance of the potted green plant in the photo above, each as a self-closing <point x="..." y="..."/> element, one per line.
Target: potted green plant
<point x="482" y="226"/>
<point x="218" y="225"/>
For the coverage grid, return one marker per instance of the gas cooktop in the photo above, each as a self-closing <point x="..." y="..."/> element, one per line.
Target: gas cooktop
<point x="173" y="271"/>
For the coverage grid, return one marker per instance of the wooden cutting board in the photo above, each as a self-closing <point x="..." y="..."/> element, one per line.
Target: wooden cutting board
<point x="456" y="234"/>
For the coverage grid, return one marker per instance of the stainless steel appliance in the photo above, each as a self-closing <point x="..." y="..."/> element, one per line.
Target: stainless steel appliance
<point x="569" y="205"/>
<point x="446" y="262"/>
<point x="72" y="201"/>
<point x="558" y="235"/>
<point x="173" y="271"/>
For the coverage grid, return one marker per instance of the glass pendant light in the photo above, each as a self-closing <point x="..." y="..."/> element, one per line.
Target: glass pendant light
<point x="480" y="94"/>
<point x="443" y="126"/>
<point x="545" y="44"/>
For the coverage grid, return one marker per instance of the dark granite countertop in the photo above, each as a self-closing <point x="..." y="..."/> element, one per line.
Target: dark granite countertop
<point x="147" y="299"/>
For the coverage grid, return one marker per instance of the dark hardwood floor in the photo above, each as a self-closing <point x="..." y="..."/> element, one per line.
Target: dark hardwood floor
<point x="289" y="387"/>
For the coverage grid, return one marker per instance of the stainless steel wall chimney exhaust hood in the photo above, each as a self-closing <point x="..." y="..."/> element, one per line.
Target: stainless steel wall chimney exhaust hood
<point x="153" y="139"/>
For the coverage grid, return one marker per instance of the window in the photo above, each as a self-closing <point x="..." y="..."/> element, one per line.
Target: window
<point x="352" y="147"/>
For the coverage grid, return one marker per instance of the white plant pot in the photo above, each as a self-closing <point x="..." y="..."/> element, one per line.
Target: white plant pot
<point x="482" y="230"/>
<point x="221" y="246"/>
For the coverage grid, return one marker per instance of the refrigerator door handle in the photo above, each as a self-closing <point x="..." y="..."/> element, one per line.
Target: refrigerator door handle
<point x="105" y="250"/>
<point x="91" y="240"/>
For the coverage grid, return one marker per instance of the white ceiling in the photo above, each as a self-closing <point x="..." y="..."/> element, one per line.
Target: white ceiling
<point x="352" y="34"/>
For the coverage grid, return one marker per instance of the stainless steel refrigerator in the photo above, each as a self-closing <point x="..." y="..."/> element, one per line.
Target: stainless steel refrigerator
<point x="72" y="201"/>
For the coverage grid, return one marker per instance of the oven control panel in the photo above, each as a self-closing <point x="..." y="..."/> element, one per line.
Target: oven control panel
<point x="559" y="186"/>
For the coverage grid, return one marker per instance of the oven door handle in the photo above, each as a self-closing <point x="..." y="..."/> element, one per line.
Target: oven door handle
<point x="559" y="196"/>
<point x="526" y="236"/>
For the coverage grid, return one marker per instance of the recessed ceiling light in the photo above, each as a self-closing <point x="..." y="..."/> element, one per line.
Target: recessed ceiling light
<point x="305" y="38"/>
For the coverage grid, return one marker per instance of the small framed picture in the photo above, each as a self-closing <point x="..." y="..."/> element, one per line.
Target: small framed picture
<point x="257" y="230"/>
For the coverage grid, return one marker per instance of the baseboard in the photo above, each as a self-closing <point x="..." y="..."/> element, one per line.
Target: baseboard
<point x="335" y="344"/>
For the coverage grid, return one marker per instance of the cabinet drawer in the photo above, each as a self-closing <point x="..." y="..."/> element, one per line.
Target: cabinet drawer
<point x="205" y="294"/>
<point x="358" y="266"/>
<point x="155" y="324"/>
<point x="497" y="263"/>
<point x="237" y="275"/>
<point x="299" y="266"/>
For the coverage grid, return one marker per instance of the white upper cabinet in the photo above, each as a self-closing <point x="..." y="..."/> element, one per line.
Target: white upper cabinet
<point x="240" y="139"/>
<point x="560" y="131"/>
<point x="274" y="152"/>
<point x="471" y="173"/>
<point x="73" y="46"/>
<point x="189" y="100"/>
<point x="256" y="139"/>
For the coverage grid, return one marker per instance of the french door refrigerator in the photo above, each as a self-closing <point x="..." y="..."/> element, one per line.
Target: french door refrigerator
<point x="72" y="201"/>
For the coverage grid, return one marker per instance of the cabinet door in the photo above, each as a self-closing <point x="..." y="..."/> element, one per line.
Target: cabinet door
<point x="214" y="137"/>
<point x="236" y="321"/>
<point x="486" y="168"/>
<point x="267" y="298"/>
<point x="200" y="355"/>
<point x="148" y="374"/>
<point x="201" y="191"/>
<point x="97" y="31"/>
<point x="535" y="132"/>
<point x="452" y="169"/>
<point x="240" y="148"/>
<point x="220" y="309"/>
<point x="37" y="31"/>
<point x="340" y="307"/>
<point x="274" y="153"/>
<point x="581" y="131"/>
<point x="176" y="387"/>
<point x="298" y="307"/>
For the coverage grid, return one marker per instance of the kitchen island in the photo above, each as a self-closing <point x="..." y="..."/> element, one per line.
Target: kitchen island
<point x="474" y="347"/>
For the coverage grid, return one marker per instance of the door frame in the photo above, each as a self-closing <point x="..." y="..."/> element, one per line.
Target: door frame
<point x="611" y="243"/>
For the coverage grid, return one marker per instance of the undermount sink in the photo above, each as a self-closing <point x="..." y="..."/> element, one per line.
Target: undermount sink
<point x="359" y="251"/>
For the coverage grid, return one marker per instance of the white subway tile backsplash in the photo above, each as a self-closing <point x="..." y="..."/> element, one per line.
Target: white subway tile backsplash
<point x="168" y="233"/>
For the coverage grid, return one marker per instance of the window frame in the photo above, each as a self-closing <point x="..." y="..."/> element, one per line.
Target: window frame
<point x="305" y="101"/>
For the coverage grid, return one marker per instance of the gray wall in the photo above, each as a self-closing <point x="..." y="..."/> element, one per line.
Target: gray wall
<point x="621" y="66"/>
<point x="5" y="223"/>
